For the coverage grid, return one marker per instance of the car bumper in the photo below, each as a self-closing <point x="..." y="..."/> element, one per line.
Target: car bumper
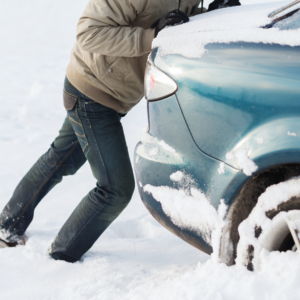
<point x="168" y="147"/>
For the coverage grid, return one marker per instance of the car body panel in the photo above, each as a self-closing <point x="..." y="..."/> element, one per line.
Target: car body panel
<point x="235" y="90"/>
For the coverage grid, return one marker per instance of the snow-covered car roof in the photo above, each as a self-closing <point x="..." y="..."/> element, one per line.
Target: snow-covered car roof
<point x="235" y="24"/>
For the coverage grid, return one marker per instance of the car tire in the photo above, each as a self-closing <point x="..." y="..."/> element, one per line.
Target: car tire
<point x="242" y="207"/>
<point x="278" y="239"/>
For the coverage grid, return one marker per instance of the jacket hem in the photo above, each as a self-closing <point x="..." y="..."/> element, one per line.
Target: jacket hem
<point x="93" y="92"/>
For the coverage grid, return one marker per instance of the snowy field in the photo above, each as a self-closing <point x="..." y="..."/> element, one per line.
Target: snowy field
<point x="136" y="258"/>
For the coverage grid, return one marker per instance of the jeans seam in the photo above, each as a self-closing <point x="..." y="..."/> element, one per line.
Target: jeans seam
<point x="74" y="121"/>
<point x="80" y="135"/>
<point x="40" y="187"/>
<point x="84" y="148"/>
<point x="91" y="128"/>
<point x="87" y="146"/>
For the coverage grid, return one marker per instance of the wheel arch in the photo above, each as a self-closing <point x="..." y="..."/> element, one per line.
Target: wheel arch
<point x="275" y="142"/>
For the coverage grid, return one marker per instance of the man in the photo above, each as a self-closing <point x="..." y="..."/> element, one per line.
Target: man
<point x="104" y="81"/>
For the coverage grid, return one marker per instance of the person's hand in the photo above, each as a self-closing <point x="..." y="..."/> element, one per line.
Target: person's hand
<point x="172" y="18"/>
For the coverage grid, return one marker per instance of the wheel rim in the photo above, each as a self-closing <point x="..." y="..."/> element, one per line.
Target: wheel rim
<point x="282" y="235"/>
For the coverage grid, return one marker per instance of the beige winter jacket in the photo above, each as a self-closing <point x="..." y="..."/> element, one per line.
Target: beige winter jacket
<point x="113" y="41"/>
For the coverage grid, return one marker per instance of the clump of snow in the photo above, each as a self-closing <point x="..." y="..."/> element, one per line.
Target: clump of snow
<point x="167" y="147"/>
<point x="140" y="184"/>
<point x="269" y="200"/>
<point x="154" y="151"/>
<point x="291" y="133"/>
<point x="4" y="235"/>
<point x="192" y="212"/>
<point x="218" y="231"/>
<point x="177" y="176"/>
<point x="9" y="236"/>
<point x="147" y="138"/>
<point x="243" y="160"/>
<point x="260" y="140"/>
<point x="222" y="209"/>
<point x="235" y="24"/>
<point x="279" y="193"/>
<point x="183" y="181"/>
<point x="197" y="194"/>
<point x="221" y="169"/>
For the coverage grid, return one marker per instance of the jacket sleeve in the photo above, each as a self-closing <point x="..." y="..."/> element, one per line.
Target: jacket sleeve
<point x="104" y="28"/>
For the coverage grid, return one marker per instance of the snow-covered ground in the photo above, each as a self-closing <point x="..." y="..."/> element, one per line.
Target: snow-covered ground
<point x="136" y="258"/>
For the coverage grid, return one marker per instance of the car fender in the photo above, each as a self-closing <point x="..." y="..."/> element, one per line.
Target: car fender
<point x="275" y="142"/>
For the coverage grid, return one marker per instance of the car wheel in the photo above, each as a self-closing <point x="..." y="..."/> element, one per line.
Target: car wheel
<point x="231" y="248"/>
<point x="280" y="235"/>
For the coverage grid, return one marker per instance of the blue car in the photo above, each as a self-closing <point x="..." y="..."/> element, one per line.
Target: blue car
<point x="221" y="129"/>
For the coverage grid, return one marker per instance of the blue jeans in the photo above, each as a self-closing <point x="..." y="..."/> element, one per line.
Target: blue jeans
<point x="90" y="132"/>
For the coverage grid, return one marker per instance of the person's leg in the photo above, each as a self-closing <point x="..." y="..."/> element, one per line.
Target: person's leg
<point x="64" y="157"/>
<point x="100" y="133"/>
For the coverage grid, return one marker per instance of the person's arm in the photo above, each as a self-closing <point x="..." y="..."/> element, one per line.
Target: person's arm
<point x="104" y="28"/>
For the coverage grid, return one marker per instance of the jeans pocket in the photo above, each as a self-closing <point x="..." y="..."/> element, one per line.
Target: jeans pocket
<point x="69" y="101"/>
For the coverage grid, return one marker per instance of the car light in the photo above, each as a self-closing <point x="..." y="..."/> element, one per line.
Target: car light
<point x="158" y="85"/>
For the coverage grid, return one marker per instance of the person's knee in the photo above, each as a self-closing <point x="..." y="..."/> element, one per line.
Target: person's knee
<point x="116" y="193"/>
<point x="123" y="190"/>
<point x="129" y="189"/>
